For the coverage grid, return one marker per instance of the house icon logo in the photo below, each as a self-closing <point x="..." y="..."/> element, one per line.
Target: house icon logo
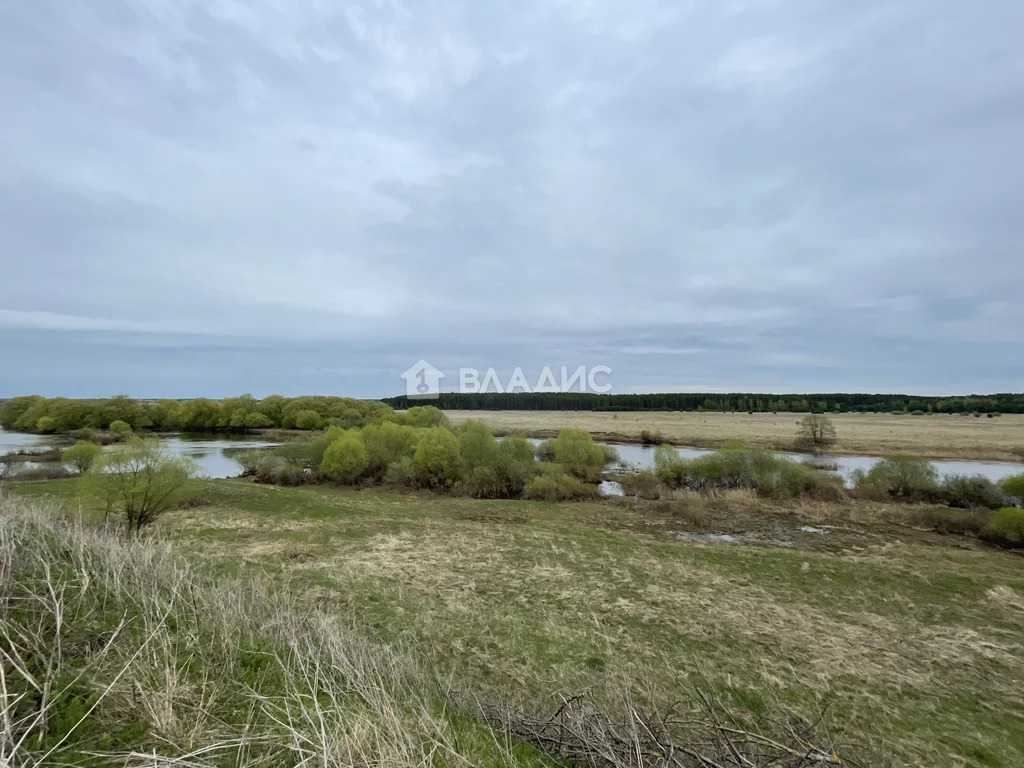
<point x="422" y="381"/>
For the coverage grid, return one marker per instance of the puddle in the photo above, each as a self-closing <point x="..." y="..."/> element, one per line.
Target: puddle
<point x="811" y="529"/>
<point x="610" y="488"/>
<point x="716" y="537"/>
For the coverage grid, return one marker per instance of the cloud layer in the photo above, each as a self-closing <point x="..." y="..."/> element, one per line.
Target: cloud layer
<point x="301" y="196"/>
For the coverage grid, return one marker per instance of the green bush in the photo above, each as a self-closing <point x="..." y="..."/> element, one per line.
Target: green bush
<point x="81" y="455"/>
<point x="481" y="482"/>
<point x="647" y="437"/>
<point x="669" y="466"/>
<point x="1013" y="485"/>
<point x="515" y="465"/>
<point x="436" y="458"/>
<point x="258" y="464"/>
<point x="545" y="450"/>
<point x="307" y="419"/>
<point x="289" y="473"/>
<point x="402" y="473"/>
<point x="1006" y="528"/>
<point x="968" y="491"/>
<point x="738" y="467"/>
<point x="553" y="485"/>
<point x="46" y="424"/>
<point x="119" y="427"/>
<point x="899" y="477"/>
<point x="387" y="443"/>
<point x="422" y="416"/>
<point x="477" y="446"/>
<point x="138" y="480"/>
<point x="576" y="451"/>
<point x="345" y="460"/>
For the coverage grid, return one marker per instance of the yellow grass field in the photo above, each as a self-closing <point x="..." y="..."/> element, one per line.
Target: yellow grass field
<point x="866" y="434"/>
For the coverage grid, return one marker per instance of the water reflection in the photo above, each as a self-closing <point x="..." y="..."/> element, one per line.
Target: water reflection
<point x="642" y="457"/>
<point x="214" y="454"/>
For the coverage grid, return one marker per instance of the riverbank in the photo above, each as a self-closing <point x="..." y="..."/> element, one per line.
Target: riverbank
<point x="939" y="436"/>
<point x="895" y="632"/>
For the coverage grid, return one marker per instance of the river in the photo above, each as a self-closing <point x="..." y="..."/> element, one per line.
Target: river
<point x="208" y="451"/>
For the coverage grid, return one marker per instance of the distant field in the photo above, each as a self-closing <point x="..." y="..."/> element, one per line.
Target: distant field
<point x="868" y="434"/>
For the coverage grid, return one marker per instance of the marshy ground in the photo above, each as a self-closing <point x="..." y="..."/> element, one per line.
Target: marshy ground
<point x="952" y="436"/>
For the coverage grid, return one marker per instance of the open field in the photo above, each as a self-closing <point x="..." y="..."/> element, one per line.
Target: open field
<point x="911" y="642"/>
<point x="866" y="434"/>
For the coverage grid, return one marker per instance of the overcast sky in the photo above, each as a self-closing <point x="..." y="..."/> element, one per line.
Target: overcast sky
<point x="206" y="197"/>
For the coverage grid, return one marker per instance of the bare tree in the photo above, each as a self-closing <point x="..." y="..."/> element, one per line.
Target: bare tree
<point x="816" y="431"/>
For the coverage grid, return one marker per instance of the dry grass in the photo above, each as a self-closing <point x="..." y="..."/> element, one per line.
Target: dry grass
<point x="913" y="646"/>
<point x="938" y="436"/>
<point x="114" y="651"/>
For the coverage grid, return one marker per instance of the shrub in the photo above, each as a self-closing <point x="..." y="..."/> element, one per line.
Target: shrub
<point x="482" y="482"/>
<point x="514" y="465"/>
<point x="553" y="486"/>
<point x="422" y="416"/>
<point x="46" y="424"/>
<point x="307" y="419"/>
<point x="968" y="491"/>
<point x="402" y="473"/>
<point x="545" y="450"/>
<point x="436" y="458"/>
<point x="345" y="460"/>
<point x="81" y="455"/>
<point x="41" y="472"/>
<point x="965" y="522"/>
<point x="669" y="466"/>
<point x="477" y="446"/>
<point x="138" y="480"/>
<point x="646" y="484"/>
<point x="289" y="473"/>
<point x="119" y="427"/>
<point x="1013" y="485"/>
<point x="899" y="477"/>
<point x="1006" y="528"/>
<point x="577" y="452"/>
<point x="387" y="443"/>
<point x="647" y="437"/>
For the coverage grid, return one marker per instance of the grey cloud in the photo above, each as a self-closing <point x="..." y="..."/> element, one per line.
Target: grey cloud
<point x="804" y="193"/>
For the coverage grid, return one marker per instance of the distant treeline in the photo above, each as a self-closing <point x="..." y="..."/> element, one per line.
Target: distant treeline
<point x="758" y="403"/>
<point x="235" y="414"/>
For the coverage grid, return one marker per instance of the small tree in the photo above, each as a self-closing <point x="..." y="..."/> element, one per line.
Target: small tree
<point x="139" y="480"/>
<point x="576" y="450"/>
<point x="46" y="424"/>
<point x="345" y="460"/>
<point x="816" y="431"/>
<point x="119" y="427"/>
<point x="81" y="455"/>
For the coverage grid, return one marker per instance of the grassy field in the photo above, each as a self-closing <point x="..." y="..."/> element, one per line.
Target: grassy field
<point x="867" y="434"/>
<point x="908" y="641"/>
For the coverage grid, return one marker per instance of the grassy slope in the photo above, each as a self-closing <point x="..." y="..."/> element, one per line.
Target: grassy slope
<point x="910" y="643"/>
<point x="868" y="434"/>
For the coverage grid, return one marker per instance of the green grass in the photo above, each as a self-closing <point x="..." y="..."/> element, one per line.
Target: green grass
<point x="911" y="645"/>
